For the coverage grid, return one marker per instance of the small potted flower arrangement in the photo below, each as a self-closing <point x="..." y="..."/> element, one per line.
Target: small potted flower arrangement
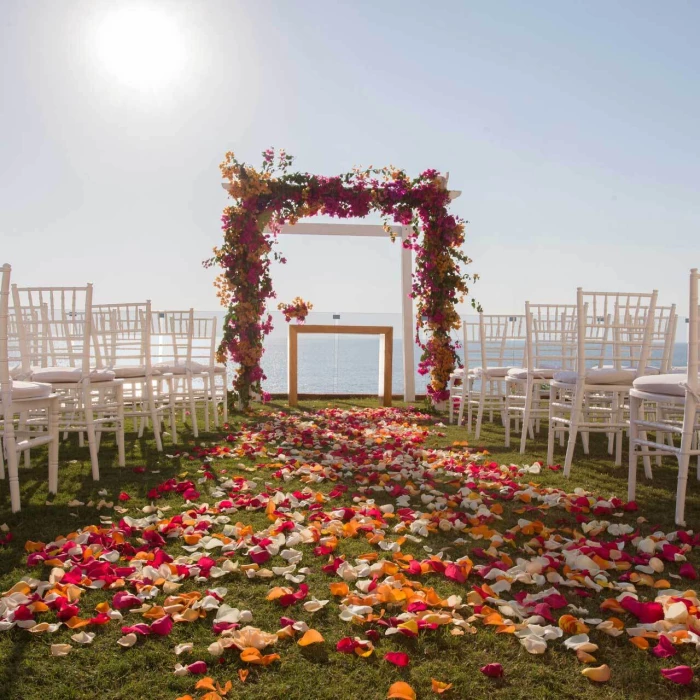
<point x="297" y="309"/>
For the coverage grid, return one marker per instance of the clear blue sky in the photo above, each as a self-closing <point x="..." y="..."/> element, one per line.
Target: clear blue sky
<point x="571" y="128"/>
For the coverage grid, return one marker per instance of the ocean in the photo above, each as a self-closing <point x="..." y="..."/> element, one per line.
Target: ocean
<point x="346" y="364"/>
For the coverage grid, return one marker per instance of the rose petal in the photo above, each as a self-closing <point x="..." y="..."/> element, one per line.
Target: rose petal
<point x="401" y="691"/>
<point x="494" y="670"/>
<point x="599" y="674"/>
<point x="682" y="675"/>
<point x="398" y="658"/>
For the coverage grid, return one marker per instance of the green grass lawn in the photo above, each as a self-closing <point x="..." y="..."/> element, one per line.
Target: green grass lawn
<point x="105" y="670"/>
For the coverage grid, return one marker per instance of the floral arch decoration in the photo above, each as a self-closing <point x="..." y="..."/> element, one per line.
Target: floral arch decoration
<point x="269" y="197"/>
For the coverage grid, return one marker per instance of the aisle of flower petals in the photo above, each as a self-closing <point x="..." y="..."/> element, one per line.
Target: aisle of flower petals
<point x="558" y="571"/>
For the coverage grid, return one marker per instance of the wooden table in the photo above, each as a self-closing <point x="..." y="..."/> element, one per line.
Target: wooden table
<point x="386" y="352"/>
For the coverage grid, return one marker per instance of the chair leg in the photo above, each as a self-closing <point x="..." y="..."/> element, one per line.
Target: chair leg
<point x="551" y="433"/>
<point x="225" y="395"/>
<point x="527" y="421"/>
<point x="12" y="460"/>
<point x="465" y="395"/>
<point x="635" y="405"/>
<point x="193" y="405"/>
<point x="90" y="427"/>
<point x="691" y="406"/>
<point x="207" y="401"/>
<point x="573" y="428"/>
<point x="214" y="398"/>
<point x="155" y="419"/>
<point x="53" y="447"/>
<point x="121" y="452"/>
<point x="171" y="407"/>
<point x="507" y="418"/>
<point x="480" y="413"/>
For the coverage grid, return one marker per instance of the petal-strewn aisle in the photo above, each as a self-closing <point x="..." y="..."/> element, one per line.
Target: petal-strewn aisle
<point x="345" y="534"/>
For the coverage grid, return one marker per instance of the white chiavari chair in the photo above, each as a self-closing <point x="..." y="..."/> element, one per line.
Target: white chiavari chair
<point x="614" y="334"/>
<point x="204" y="353"/>
<point x="28" y="410"/>
<point x="55" y="336"/>
<point x="550" y="346"/>
<point x="122" y="344"/>
<point x="172" y="343"/>
<point x="501" y="348"/>
<point x="679" y="395"/>
<point x="462" y="378"/>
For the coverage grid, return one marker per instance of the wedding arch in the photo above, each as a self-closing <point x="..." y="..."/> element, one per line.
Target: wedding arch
<point x="271" y="200"/>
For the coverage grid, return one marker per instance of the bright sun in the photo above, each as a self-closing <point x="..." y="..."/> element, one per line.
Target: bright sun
<point x="140" y="46"/>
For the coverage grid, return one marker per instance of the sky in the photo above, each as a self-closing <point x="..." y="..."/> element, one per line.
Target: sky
<point x="570" y="128"/>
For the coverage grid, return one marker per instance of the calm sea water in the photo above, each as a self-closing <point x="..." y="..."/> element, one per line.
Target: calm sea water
<point x="345" y="364"/>
<point x="349" y="364"/>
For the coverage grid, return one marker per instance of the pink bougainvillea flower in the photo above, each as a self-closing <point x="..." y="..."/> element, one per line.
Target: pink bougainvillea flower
<point x="682" y="675"/>
<point x="492" y="670"/>
<point x="398" y="658"/>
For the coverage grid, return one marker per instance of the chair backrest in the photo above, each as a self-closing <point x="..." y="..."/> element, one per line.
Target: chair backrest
<point x="502" y="340"/>
<point x="5" y="381"/>
<point x="551" y="336"/>
<point x="54" y="326"/>
<point x="122" y="335"/>
<point x="204" y="340"/>
<point x="172" y="336"/>
<point x="471" y="343"/>
<point x="663" y="336"/>
<point x="693" y="331"/>
<point x="614" y="329"/>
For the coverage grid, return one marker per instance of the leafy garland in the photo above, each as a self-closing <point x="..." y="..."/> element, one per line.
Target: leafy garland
<point x="273" y="196"/>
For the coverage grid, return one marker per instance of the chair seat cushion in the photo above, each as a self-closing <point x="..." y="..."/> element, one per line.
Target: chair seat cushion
<point x="29" y="390"/>
<point x="666" y="384"/>
<point x="132" y="371"/>
<point x="491" y="371"/>
<point x="543" y="373"/>
<point x="69" y="375"/>
<point x="180" y="367"/>
<point x="603" y="375"/>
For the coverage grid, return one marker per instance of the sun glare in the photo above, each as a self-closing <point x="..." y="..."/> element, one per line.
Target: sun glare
<point x="140" y="47"/>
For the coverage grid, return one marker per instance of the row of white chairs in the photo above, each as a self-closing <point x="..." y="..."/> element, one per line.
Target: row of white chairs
<point x="68" y="365"/>
<point x="579" y="368"/>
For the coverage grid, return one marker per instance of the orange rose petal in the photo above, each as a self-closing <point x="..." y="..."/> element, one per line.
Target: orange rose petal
<point x="243" y="674"/>
<point x="401" y="691"/>
<point x="76" y="622"/>
<point x="439" y="687"/>
<point x="640" y="643"/>
<point x="310" y="637"/>
<point x="206" y="683"/>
